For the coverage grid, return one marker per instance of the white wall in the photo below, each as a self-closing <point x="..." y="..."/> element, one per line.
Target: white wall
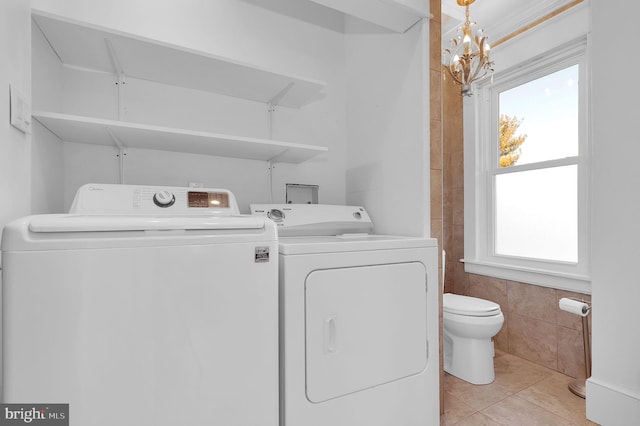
<point x="388" y="127"/>
<point x="15" y="146"/>
<point x="553" y="33"/>
<point x="230" y="28"/>
<point x="613" y="392"/>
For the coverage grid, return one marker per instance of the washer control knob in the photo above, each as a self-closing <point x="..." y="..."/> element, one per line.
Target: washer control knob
<point x="276" y="215"/>
<point x="164" y="199"/>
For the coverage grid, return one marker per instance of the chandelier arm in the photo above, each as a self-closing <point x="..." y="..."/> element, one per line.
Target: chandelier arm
<point x="454" y="74"/>
<point x="482" y="46"/>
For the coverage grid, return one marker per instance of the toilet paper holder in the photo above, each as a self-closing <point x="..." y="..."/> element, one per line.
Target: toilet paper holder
<point x="577" y="386"/>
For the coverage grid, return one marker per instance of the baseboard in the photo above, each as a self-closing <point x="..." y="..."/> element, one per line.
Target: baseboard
<point x="609" y="406"/>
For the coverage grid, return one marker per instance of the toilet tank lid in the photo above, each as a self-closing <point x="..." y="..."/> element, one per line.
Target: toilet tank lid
<point x="465" y="305"/>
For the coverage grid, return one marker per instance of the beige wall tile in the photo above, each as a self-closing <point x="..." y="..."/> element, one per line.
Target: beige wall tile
<point x="436" y="232"/>
<point x="457" y="170"/>
<point x="457" y="207"/>
<point x="448" y="286"/>
<point x="570" y="352"/>
<point x="532" y="301"/>
<point x="435" y="54"/>
<point x="436" y="144"/>
<point x="452" y="105"/>
<point x="488" y="288"/>
<point x="436" y="194"/>
<point x="435" y="9"/>
<point x="460" y="279"/>
<point x="448" y="238"/>
<point x="435" y="94"/>
<point x="446" y="164"/>
<point x="501" y="340"/>
<point x="456" y="251"/>
<point x="533" y="339"/>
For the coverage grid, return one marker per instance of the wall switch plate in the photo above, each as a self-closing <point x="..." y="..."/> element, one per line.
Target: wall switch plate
<point x="20" y="110"/>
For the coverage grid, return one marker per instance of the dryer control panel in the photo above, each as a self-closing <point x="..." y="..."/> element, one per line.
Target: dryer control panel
<point x="315" y="219"/>
<point x="156" y="200"/>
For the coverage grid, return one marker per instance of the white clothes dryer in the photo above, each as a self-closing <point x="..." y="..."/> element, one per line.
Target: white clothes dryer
<point x="358" y="320"/>
<point x="145" y="306"/>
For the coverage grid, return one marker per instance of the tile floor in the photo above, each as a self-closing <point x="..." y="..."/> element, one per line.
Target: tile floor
<point x="523" y="393"/>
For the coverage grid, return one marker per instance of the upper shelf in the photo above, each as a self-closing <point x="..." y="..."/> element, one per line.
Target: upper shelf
<point x="74" y="128"/>
<point x="92" y="47"/>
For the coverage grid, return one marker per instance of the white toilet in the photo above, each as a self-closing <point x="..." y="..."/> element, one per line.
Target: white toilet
<point x="469" y="325"/>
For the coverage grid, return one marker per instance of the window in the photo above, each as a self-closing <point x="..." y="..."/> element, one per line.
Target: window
<point x="528" y="203"/>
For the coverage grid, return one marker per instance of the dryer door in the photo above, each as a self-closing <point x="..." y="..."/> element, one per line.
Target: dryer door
<point x="365" y="326"/>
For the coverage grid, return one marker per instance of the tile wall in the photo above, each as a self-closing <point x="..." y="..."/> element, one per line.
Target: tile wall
<point x="535" y="329"/>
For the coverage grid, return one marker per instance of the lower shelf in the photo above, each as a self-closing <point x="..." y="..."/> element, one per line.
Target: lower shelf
<point x="79" y="129"/>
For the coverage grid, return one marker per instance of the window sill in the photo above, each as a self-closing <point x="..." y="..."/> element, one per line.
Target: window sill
<point x="560" y="281"/>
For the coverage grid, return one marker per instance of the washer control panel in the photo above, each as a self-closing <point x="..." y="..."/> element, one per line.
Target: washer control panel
<point x="315" y="219"/>
<point x="136" y="199"/>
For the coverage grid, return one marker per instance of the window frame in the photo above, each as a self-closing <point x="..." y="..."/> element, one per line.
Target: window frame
<point x="481" y="114"/>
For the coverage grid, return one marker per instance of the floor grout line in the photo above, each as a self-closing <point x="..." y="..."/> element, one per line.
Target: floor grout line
<point x="547" y="374"/>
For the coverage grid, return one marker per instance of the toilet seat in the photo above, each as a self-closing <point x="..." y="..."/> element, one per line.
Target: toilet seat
<point x="469" y="306"/>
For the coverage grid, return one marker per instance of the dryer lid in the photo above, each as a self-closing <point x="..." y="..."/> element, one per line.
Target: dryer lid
<point x="471" y="306"/>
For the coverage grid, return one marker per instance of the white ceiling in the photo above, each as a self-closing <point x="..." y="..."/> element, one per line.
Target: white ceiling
<point x="499" y="18"/>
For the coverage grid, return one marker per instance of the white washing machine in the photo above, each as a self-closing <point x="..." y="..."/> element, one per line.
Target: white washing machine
<point x="146" y="306"/>
<point x="358" y="320"/>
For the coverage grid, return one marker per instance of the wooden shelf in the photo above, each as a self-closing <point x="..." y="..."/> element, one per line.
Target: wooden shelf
<point x="91" y="47"/>
<point x="79" y="129"/>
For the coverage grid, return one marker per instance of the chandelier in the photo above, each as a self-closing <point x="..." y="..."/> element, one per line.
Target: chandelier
<point x="467" y="60"/>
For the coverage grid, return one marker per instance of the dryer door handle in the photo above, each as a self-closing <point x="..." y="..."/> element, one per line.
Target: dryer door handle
<point x="329" y="327"/>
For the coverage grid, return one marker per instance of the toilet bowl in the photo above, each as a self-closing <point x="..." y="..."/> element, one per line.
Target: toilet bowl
<point x="469" y="325"/>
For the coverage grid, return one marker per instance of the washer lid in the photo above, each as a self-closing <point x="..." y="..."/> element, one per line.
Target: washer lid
<point x="112" y="223"/>
<point x="470" y="306"/>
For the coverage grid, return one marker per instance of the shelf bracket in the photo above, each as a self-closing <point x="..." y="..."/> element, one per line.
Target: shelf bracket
<point x="270" y="166"/>
<point x="122" y="152"/>
<point x="119" y="72"/>
<point x="116" y="141"/>
<point x="117" y="67"/>
<point x="273" y="103"/>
